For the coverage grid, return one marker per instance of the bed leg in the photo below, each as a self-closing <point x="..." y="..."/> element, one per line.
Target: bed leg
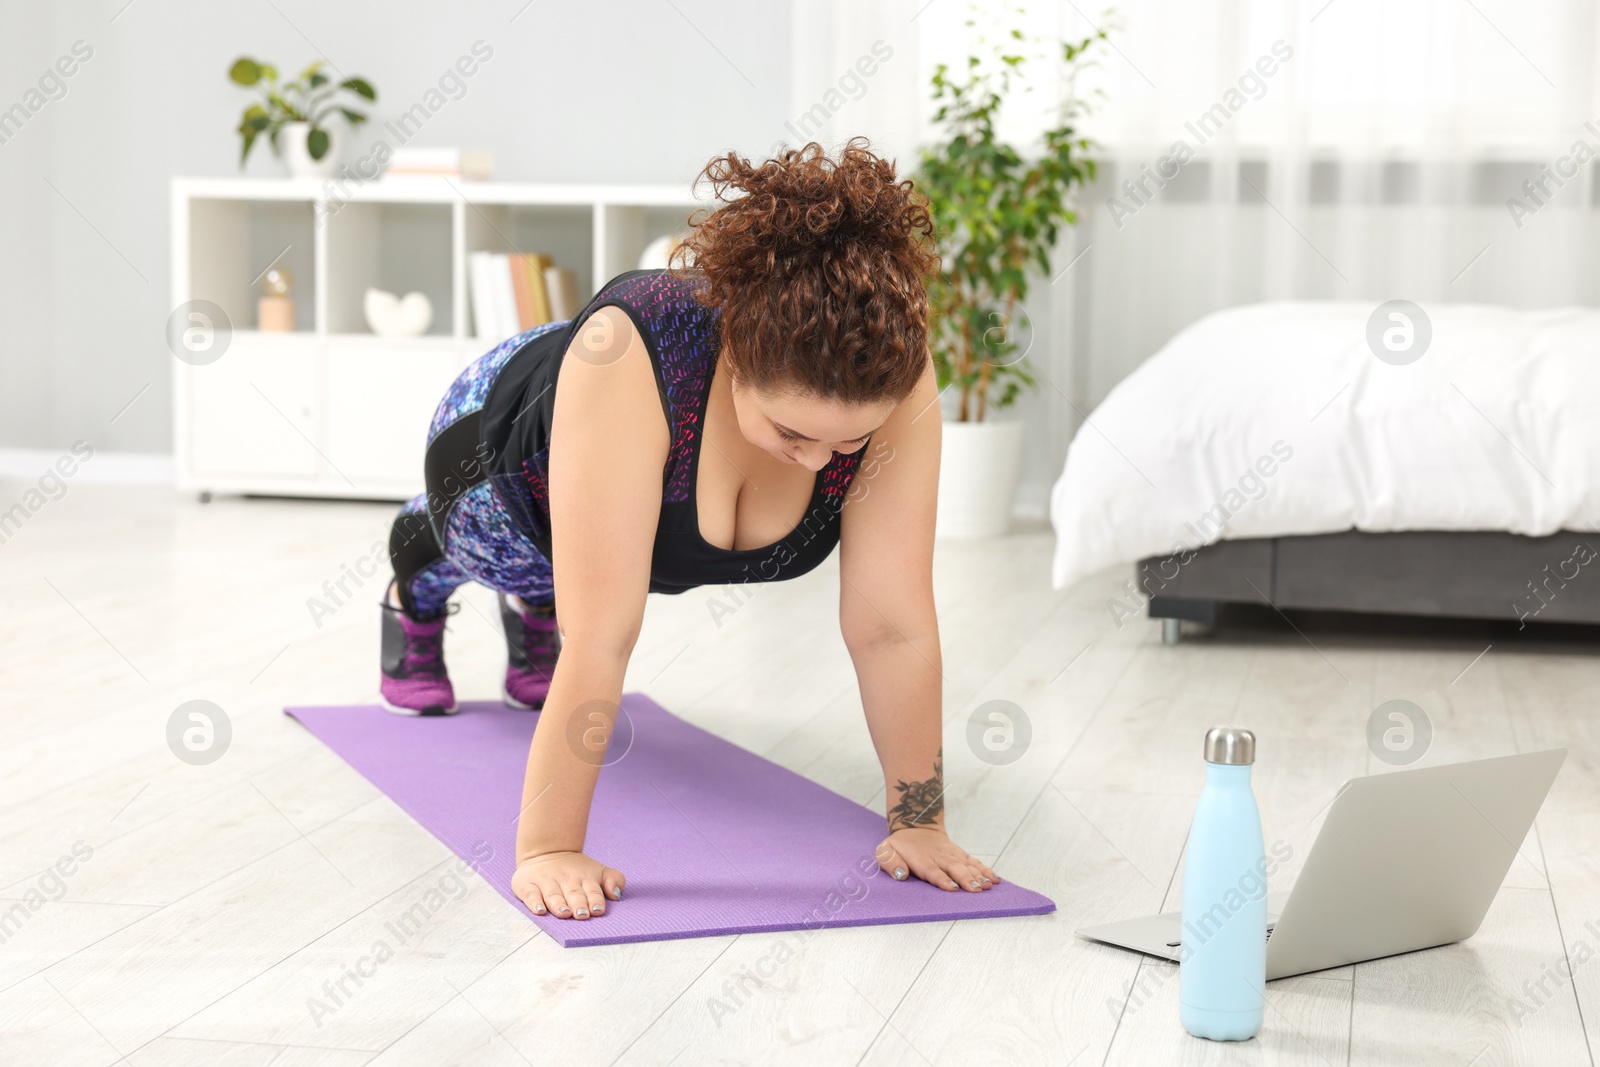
<point x="1171" y="631"/>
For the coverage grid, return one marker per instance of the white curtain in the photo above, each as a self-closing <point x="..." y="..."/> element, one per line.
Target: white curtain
<point x="1432" y="150"/>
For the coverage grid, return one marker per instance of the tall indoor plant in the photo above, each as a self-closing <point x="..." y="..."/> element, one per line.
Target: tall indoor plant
<point x="999" y="210"/>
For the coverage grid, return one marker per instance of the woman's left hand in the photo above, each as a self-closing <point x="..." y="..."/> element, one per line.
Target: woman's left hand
<point x="928" y="853"/>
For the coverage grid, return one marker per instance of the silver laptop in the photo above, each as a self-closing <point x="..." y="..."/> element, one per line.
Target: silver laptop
<point x="1406" y="860"/>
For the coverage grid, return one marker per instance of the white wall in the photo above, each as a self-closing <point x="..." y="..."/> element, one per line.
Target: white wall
<point x="627" y="90"/>
<point x="646" y="90"/>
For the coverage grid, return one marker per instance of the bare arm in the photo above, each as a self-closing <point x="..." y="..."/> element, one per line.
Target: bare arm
<point x="886" y="609"/>
<point x="887" y="615"/>
<point x="608" y="448"/>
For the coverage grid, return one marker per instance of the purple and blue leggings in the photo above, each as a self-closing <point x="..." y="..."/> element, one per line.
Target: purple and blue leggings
<point x="464" y="536"/>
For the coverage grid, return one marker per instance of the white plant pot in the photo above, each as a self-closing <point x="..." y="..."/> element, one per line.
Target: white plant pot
<point x="292" y="143"/>
<point x="978" y="468"/>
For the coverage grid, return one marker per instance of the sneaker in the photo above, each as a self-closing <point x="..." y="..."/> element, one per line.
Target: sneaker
<point x="414" y="678"/>
<point x="533" y="641"/>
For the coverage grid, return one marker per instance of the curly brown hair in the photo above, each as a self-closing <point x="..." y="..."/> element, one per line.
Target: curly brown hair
<point x="819" y="267"/>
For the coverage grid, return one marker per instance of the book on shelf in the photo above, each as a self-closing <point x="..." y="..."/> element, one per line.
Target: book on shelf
<point x="532" y="269"/>
<point x="562" y="286"/>
<point x="479" y="267"/>
<point x="505" y="298"/>
<point x="520" y="286"/>
<point x="416" y="162"/>
<point x="513" y="293"/>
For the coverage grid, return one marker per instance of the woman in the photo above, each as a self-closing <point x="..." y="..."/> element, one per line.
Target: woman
<point x="695" y="427"/>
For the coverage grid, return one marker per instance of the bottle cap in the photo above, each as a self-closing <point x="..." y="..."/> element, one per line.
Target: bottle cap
<point x="1230" y="744"/>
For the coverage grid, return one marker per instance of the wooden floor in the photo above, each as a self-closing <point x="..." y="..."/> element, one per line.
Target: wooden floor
<point x="216" y="901"/>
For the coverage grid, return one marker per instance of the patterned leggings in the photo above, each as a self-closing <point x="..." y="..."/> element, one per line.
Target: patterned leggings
<point x="445" y="537"/>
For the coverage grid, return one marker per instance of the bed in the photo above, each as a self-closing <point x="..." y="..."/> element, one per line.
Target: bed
<point x="1268" y="455"/>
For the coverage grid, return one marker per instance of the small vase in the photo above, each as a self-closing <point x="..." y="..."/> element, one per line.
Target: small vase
<point x="275" y="314"/>
<point x="292" y="144"/>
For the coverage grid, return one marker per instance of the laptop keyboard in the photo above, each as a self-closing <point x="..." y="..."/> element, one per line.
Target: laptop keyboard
<point x="1270" y="927"/>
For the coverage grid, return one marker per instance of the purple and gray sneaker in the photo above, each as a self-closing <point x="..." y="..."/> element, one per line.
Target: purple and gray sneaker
<point x="414" y="678"/>
<point x="533" y="641"/>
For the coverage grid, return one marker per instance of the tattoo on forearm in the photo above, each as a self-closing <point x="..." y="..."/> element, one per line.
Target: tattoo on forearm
<point x="921" y="803"/>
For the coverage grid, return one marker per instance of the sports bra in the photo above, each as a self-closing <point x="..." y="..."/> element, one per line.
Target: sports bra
<point x="683" y="337"/>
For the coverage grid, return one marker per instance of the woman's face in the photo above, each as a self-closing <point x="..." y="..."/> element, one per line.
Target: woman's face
<point x="803" y="428"/>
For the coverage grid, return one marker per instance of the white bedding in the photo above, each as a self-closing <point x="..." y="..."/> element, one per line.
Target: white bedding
<point x="1495" y="427"/>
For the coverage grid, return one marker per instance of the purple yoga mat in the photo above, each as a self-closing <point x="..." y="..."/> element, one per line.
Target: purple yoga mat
<point x="714" y="839"/>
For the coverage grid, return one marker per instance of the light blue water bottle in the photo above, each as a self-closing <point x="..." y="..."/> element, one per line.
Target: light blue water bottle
<point x="1223" y="947"/>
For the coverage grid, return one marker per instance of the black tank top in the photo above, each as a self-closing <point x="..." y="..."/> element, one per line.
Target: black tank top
<point x="683" y="337"/>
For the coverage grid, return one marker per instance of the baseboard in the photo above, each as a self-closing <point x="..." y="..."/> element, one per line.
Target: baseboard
<point x="105" y="468"/>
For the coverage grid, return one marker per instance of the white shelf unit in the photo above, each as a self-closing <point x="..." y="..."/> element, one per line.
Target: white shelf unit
<point x="330" y="409"/>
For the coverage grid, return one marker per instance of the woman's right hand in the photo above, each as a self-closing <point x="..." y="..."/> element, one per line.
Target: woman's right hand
<point x="568" y="885"/>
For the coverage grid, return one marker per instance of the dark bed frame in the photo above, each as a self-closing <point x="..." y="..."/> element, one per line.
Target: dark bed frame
<point x="1476" y="575"/>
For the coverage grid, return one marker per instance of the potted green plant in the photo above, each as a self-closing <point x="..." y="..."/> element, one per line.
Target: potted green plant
<point x="294" y="114"/>
<point x="999" y="211"/>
